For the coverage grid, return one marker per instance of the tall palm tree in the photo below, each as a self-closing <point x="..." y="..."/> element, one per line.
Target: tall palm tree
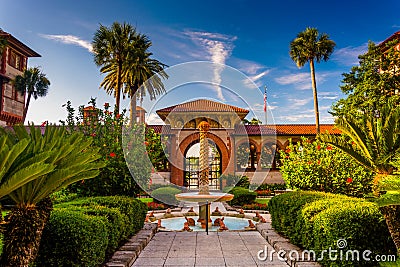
<point x="110" y="47"/>
<point x="32" y="82"/>
<point x="374" y="143"/>
<point x="139" y="71"/>
<point x="33" y="167"/>
<point x="308" y="46"/>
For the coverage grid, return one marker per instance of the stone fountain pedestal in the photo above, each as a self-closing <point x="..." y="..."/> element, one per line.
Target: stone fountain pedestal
<point x="204" y="195"/>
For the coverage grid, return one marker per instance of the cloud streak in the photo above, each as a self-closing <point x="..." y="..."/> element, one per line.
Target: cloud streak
<point x="348" y="56"/>
<point x="69" y="39"/>
<point x="219" y="48"/>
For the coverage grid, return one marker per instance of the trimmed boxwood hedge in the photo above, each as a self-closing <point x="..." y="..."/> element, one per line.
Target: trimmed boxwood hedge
<point x="166" y="195"/>
<point x="242" y="196"/>
<point x="84" y="232"/>
<point x="316" y="221"/>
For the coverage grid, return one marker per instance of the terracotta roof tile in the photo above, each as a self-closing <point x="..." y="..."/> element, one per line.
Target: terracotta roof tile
<point x="203" y="105"/>
<point x="285" y="129"/>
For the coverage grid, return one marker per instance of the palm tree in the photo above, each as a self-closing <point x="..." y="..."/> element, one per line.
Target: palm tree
<point x="110" y="47"/>
<point x="34" y="83"/>
<point x="308" y="46"/>
<point x="33" y="167"/>
<point x="374" y="142"/>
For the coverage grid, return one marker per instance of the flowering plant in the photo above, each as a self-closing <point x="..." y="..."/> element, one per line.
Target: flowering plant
<point x="318" y="166"/>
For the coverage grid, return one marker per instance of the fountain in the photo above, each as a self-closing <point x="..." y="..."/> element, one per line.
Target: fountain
<point x="204" y="197"/>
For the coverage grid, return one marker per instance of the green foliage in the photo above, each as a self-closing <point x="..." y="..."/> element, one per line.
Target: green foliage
<point x="49" y="162"/>
<point x="124" y="170"/>
<point x="320" y="167"/>
<point x="119" y="218"/>
<point x="234" y="180"/>
<point x="166" y="195"/>
<point x="242" y="196"/>
<point x="366" y="88"/>
<point x="316" y="221"/>
<point x="72" y="238"/>
<point x="155" y="146"/>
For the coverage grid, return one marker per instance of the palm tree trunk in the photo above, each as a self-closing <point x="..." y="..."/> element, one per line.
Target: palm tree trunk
<point x="118" y="89"/>
<point x="28" y="100"/>
<point x="392" y="217"/>
<point x="132" y="113"/>
<point x="314" y="88"/>
<point x="23" y="232"/>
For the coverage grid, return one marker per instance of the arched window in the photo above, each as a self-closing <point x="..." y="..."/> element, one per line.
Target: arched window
<point x="246" y="157"/>
<point x="270" y="156"/>
<point x="192" y="166"/>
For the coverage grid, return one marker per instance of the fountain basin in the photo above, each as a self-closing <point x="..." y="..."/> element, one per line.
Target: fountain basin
<point x="198" y="198"/>
<point x="233" y="223"/>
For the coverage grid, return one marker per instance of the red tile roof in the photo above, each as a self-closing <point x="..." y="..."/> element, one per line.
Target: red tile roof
<point x="280" y="129"/>
<point x="202" y="105"/>
<point x="285" y="129"/>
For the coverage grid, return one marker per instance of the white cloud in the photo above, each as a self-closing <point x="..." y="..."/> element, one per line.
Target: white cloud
<point x="69" y="39"/>
<point x="328" y="95"/>
<point x="302" y="81"/>
<point x="219" y="48"/>
<point x="154" y="119"/>
<point x="349" y="55"/>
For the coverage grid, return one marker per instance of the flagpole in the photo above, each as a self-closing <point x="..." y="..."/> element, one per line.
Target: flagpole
<point x="265" y="104"/>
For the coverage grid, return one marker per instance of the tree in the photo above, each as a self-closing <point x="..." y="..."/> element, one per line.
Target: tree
<point x="34" y="83"/>
<point x="3" y="43"/>
<point x="139" y="71"/>
<point x="372" y="83"/>
<point x="253" y="121"/>
<point x="308" y="46"/>
<point x="111" y="47"/>
<point x="36" y="166"/>
<point x="374" y="142"/>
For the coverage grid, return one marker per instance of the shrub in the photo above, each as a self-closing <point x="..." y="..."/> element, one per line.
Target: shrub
<point x="320" y="167"/>
<point x="230" y="180"/>
<point x="71" y="238"/>
<point x="255" y="206"/>
<point x="316" y="221"/>
<point x="262" y="193"/>
<point x="119" y="216"/>
<point x="166" y="195"/>
<point x="242" y="196"/>
<point x="155" y="206"/>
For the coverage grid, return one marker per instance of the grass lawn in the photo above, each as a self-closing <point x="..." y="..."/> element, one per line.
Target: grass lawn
<point x="262" y="200"/>
<point x="390" y="264"/>
<point x="146" y="200"/>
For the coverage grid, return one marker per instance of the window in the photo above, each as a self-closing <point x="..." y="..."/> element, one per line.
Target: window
<point x="16" y="60"/>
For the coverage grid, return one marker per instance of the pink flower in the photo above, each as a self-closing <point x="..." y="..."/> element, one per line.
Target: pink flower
<point x="349" y="180"/>
<point x="113" y="155"/>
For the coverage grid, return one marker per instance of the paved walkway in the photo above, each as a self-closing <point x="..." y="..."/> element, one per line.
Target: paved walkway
<point x="198" y="249"/>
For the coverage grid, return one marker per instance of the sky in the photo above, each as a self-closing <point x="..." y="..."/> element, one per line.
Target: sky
<point x="250" y="37"/>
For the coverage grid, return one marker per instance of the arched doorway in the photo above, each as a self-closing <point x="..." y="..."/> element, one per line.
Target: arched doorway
<point x="192" y="170"/>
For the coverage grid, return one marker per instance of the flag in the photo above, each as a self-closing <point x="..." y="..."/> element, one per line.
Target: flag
<point x="265" y="99"/>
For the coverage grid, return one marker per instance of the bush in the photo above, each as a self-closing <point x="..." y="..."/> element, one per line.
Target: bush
<point x="166" y="195"/>
<point x="230" y="180"/>
<point x="242" y="196"/>
<point x="316" y="221"/>
<point x="320" y="167"/>
<point x="71" y="238"/>
<point x="121" y="217"/>
<point x="255" y="206"/>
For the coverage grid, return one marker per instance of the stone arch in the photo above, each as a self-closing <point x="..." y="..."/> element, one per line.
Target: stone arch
<point x="189" y="140"/>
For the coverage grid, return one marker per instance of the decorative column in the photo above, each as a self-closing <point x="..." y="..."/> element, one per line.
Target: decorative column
<point x="204" y="154"/>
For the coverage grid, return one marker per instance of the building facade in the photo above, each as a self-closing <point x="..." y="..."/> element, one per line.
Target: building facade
<point x="235" y="148"/>
<point x="13" y="62"/>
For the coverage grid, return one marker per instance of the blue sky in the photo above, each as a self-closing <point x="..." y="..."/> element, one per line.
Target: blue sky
<point x="251" y="36"/>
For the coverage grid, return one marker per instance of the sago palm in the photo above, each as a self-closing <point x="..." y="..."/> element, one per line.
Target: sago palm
<point x="55" y="159"/>
<point x="110" y="47"/>
<point x="374" y="142"/>
<point x="310" y="46"/>
<point x="32" y="82"/>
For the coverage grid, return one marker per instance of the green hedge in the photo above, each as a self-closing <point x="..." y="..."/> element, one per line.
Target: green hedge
<point x="242" y="196"/>
<point x="316" y="221"/>
<point x="76" y="242"/>
<point x="166" y="195"/>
